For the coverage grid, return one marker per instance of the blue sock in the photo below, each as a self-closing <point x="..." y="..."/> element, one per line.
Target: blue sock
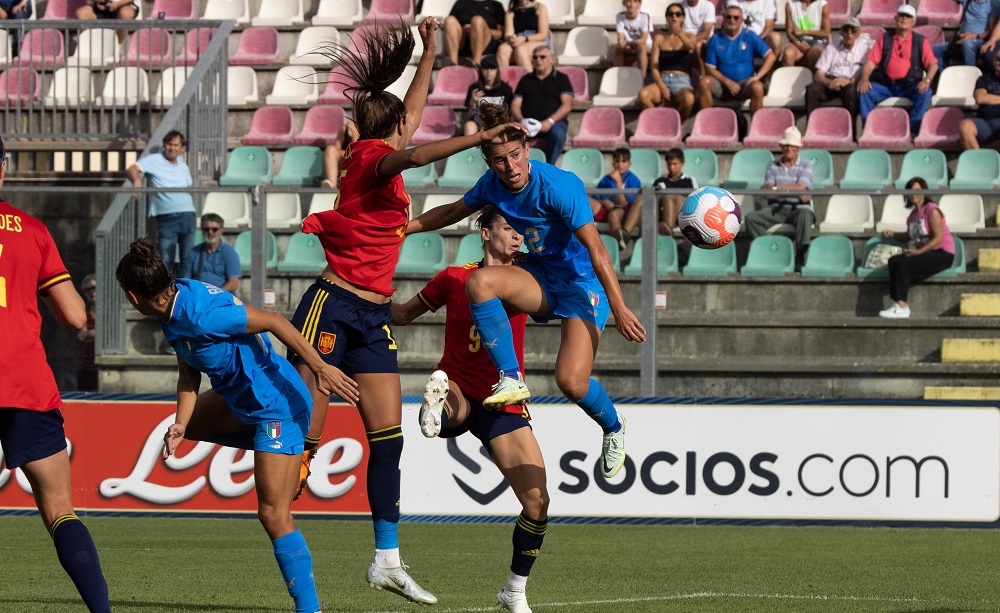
<point x="384" y="450"/>
<point x="597" y="404"/>
<point x="296" y="566"/>
<point x="386" y="534"/>
<point x="494" y="330"/>
<point x="78" y="556"/>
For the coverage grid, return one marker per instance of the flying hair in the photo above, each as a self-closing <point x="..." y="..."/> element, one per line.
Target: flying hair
<point x="142" y="271"/>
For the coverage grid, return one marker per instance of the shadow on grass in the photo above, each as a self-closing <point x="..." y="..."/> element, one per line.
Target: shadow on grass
<point x="154" y="606"/>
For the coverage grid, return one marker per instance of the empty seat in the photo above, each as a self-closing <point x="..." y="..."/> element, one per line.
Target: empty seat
<point x="125" y="86"/>
<point x="601" y="127"/>
<point x="232" y="207"/>
<point x="599" y="13"/>
<point x="283" y="13"/>
<point x="42" y="48"/>
<point x="702" y="165"/>
<point x="934" y="34"/>
<point x="432" y="201"/>
<point x="421" y="176"/>
<point x="451" y="84"/>
<point x="939" y="129"/>
<point x="95" y="48"/>
<point x="70" y="86"/>
<point x="311" y="40"/>
<point x="238" y="10"/>
<point x="867" y="169"/>
<point x="829" y="256"/>
<point x="822" y="163"/>
<point x="303" y="254"/>
<point x="666" y="257"/>
<point x="294" y="85"/>
<point x="249" y="165"/>
<point x="335" y="92"/>
<point x="512" y="75"/>
<point x="586" y="46"/>
<point x="767" y="126"/>
<point x="977" y="169"/>
<point x="848" y="213"/>
<point x="647" y="165"/>
<point x="244" y="249"/>
<point x="434" y="8"/>
<point x="588" y="164"/>
<point x="714" y="127"/>
<point x="871" y="33"/>
<point x="788" y="87"/>
<point x="284" y="210"/>
<point x="711" y="262"/>
<point x="470" y="249"/>
<point x="271" y="125"/>
<point x="619" y="86"/>
<point x="241" y="86"/>
<point x="878" y="11"/>
<point x="894" y="214"/>
<point x="302" y="165"/>
<point x="964" y="213"/>
<point x="390" y="10"/>
<point x="437" y="123"/>
<point x="938" y="12"/>
<point x="339" y="13"/>
<point x="886" y="127"/>
<point x="840" y="10"/>
<point x="862" y="271"/>
<point x="195" y="43"/>
<point x="322" y="201"/>
<point x="611" y="245"/>
<point x="657" y="127"/>
<point x="256" y="46"/>
<point x="321" y="126"/>
<point x="560" y="11"/>
<point x="174" y="9"/>
<point x="956" y="86"/>
<point x="463" y="169"/>
<point x="149" y="48"/>
<point x="930" y="164"/>
<point x="747" y="170"/>
<point x="61" y="9"/>
<point x="829" y="126"/>
<point x="172" y="81"/>
<point x="769" y="256"/>
<point x="580" y="81"/>
<point x="402" y="83"/>
<point x="422" y="253"/>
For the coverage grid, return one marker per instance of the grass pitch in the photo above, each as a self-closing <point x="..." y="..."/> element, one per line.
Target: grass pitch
<point x="226" y="565"/>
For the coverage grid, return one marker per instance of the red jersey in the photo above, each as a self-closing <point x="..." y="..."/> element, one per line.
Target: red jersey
<point x="465" y="360"/>
<point x="363" y="232"/>
<point x="29" y="265"/>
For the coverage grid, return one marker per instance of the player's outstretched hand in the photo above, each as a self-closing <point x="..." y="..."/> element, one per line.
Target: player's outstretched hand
<point x="493" y="134"/>
<point x="629" y="326"/>
<point x="173" y="438"/>
<point x="426" y="29"/>
<point x="331" y="380"/>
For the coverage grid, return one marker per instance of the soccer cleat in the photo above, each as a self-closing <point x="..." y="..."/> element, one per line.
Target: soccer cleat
<point x="304" y="472"/>
<point x="397" y="581"/>
<point x="515" y="602"/>
<point x="613" y="451"/>
<point x="508" y="391"/>
<point x="435" y="393"/>
<point x="895" y="312"/>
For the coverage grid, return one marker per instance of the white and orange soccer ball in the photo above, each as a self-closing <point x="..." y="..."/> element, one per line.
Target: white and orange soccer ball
<point x="710" y="217"/>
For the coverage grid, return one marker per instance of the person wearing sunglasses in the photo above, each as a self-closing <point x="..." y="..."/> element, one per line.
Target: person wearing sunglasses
<point x="900" y="64"/>
<point x="729" y="67"/>
<point x="673" y="57"/>
<point x="213" y="261"/>
<point x="985" y="126"/>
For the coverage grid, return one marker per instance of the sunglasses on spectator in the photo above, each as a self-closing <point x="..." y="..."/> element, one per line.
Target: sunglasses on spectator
<point x="539" y="57"/>
<point x="215" y="229"/>
<point x="90" y="288"/>
<point x="674" y="14"/>
<point x="733" y="17"/>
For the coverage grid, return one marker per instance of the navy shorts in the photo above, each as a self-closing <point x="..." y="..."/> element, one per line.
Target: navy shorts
<point x="27" y="436"/>
<point x="986" y="129"/>
<point x="349" y="332"/>
<point x="486" y="425"/>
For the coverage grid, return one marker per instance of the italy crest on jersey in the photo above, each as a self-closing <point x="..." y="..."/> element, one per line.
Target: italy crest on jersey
<point x="273" y="429"/>
<point x="326" y="342"/>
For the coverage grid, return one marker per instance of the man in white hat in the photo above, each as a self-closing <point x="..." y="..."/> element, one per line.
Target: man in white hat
<point x="790" y="173"/>
<point x="838" y="69"/>
<point x="900" y="64"/>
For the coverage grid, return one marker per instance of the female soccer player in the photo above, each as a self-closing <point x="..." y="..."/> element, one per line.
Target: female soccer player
<point x="453" y="398"/>
<point x="257" y="400"/>
<point x="567" y="275"/>
<point x="346" y="313"/>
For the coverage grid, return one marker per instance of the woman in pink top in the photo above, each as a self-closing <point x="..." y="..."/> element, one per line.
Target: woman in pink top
<point x="933" y="249"/>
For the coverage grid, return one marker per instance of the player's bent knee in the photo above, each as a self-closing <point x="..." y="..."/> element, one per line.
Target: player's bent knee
<point x="574" y="388"/>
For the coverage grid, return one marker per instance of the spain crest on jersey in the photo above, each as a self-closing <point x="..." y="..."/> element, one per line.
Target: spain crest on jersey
<point x="326" y="342"/>
<point x="273" y="429"/>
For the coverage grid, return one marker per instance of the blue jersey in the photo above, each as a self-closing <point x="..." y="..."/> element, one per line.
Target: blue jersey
<point x="207" y="328"/>
<point x="733" y="57"/>
<point x="629" y="181"/>
<point x="550" y="208"/>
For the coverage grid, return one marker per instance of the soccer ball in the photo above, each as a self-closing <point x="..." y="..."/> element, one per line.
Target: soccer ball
<point x="710" y="217"/>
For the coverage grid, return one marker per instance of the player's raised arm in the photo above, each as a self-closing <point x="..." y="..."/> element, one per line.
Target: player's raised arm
<point x="403" y="314"/>
<point x="439" y="217"/>
<point x="625" y="320"/>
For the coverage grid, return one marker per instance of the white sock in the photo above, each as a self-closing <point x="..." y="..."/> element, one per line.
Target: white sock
<point x="516" y="583"/>
<point x="388" y="558"/>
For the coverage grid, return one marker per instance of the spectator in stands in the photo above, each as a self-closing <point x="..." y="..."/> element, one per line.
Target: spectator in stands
<point x="985" y="126"/>
<point x="729" y="62"/>
<point x="488" y="88"/>
<point x="15" y="9"/>
<point x="979" y="19"/>
<point x="807" y="23"/>
<point x="933" y="248"/>
<point x="838" y="70"/>
<point x="759" y="16"/>
<point x="472" y="29"/>
<point x="635" y="36"/>
<point x="542" y="101"/>
<point x="173" y="211"/>
<point x="674" y="55"/>
<point x="789" y="173"/>
<point x="670" y="204"/>
<point x="526" y="24"/>
<point x="622" y="212"/>
<point x="109" y="9"/>
<point x="900" y="64"/>
<point x="213" y="261"/>
<point x="699" y="20"/>
<point x="334" y="153"/>
<point x="86" y="375"/>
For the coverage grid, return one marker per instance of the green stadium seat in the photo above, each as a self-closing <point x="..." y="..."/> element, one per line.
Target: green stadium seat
<point x="470" y="249"/>
<point x="421" y="176"/>
<point x="249" y="165"/>
<point x="612" y="246"/>
<point x="747" y="171"/>
<point x="875" y="272"/>
<point x="304" y="254"/>
<point x="422" y="253"/>
<point x="702" y="165"/>
<point x="822" y="166"/>
<point x="536" y="154"/>
<point x="586" y="163"/>
<point x="302" y="165"/>
<point x="463" y="169"/>
<point x="711" y="262"/>
<point x="647" y="165"/>
<point x="867" y="169"/>
<point x="244" y="250"/>
<point x="829" y="256"/>
<point x="930" y="164"/>
<point x="958" y="266"/>
<point x="770" y="256"/>
<point x="666" y="257"/>
<point x="977" y="169"/>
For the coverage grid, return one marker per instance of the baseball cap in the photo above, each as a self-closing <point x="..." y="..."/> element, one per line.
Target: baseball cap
<point x="489" y="61"/>
<point x="851" y="22"/>
<point x="906" y="9"/>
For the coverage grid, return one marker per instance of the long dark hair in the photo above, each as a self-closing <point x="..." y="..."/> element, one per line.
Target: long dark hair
<point x="494" y="115"/>
<point x="142" y="271"/>
<point x="909" y="185"/>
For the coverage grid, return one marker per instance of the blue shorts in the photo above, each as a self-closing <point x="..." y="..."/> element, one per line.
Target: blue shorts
<point x="986" y="129"/>
<point x="676" y="82"/>
<point x="27" y="436"/>
<point x="577" y="299"/>
<point x="284" y="436"/>
<point x="486" y="425"/>
<point x="348" y="331"/>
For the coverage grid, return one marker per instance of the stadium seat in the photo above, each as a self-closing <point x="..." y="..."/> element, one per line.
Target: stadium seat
<point x="822" y="163"/>
<point x="779" y="19"/>
<point x="956" y="86"/>
<point x="657" y="127"/>
<point x="390" y="11"/>
<point x="511" y="75"/>
<point x="586" y="45"/>
<point x="432" y="201"/>
<point x="70" y="87"/>
<point x="271" y="125"/>
<point x="233" y="207"/>
<point x="934" y="34"/>
<point x="599" y="13"/>
<point x="666" y="257"/>
<point x="769" y="256"/>
<point x="321" y="125"/>
<point x="714" y="127"/>
<point x="281" y="14"/>
<point x="977" y="169"/>
<point x="620" y="86"/>
<point x="829" y="126"/>
<point x="42" y="48"/>
<point x="125" y="86"/>
<point x="702" y="165"/>
<point x="238" y="10"/>
<point x="839" y="11"/>
<point x="862" y="271"/>
<point x="434" y="8"/>
<point x="303" y="254"/>
<point x="321" y="201"/>
<point x="647" y="165"/>
<point x="311" y="40"/>
<point x="878" y="11"/>
<point x="174" y="9"/>
<point x="894" y="214"/>
<point x="95" y="48"/>
<point x="336" y="84"/>
<point x="611" y="244"/>
<point x="294" y="85"/>
<point x="172" y="81"/>
<point x="747" y="170"/>
<point x="930" y="164"/>
<point x="418" y="45"/>
<point x="402" y="83"/>
<point x="588" y="164"/>
<point x="848" y="213"/>
<point x="711" y="262"/>
<point x="560" y="11"/>
<point x="422" y="253"/>
<point x="340" y="13"/>
<point x="451" y="84"/>
<point x="788" y="87"/>
<point x="195" y="43"/>
<point x="958" y="265"/>
<point x="421" y="176"/>
<point x="463" y="169"/>
<point x="61" y="9"/>
<point x="939" y="129"/>
<point x="829" y="256"/>
<point x="964" y="213"/>
<point x="470" y="249"/>
<point x="149" y="48"/>
<point x="356" y="38"/>
<point x="241" y="86"/>
<point x="767" y="126"/>
<point x="600" y="127"/>
<point x="940" y="12"/>
<point x="302" y="165"/>
<point x="248" y="166"/>
<point x="255" y="47"/>
<point x="437" y="123"/>
<point x="872" y="33"/>
<point x="867" y="169"/>
<point x="886" y="127"/>
<point x="580" y="81"/>
<point x="245" y="250"/>
<point x="284" y="210"/>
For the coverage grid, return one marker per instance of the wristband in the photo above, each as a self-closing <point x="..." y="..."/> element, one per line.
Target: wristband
<point x="550" y="120"/>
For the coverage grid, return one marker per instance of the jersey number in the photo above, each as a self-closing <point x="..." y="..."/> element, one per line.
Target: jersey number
<point x="392" y="341"/>
<point x="3" y="286"/>
<point x="474" y="337"/>
<point x="534" y="238"/>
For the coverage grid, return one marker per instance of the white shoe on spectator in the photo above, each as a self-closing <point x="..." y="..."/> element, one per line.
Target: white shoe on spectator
<point x="895" y="312"/>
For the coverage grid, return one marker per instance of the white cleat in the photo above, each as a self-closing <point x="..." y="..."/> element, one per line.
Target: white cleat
<point x="516" y="602"/>
<point x="435" y="393"/>
<point x="613" y="451"/>
<point x="508" y="391"/>
<point x="397" y="581"/>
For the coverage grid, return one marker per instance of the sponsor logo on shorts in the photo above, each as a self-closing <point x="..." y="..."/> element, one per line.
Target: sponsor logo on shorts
<point x="326" y="342"/>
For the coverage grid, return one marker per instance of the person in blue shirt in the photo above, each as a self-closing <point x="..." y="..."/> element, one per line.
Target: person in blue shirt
<point x="979" y="19"/>
<point x="621" y="211"/>
<point x="213" y="261"/>
<point x="257" y="402"/>
<point x="729" y="59"/>
<point x="566" y="275"/>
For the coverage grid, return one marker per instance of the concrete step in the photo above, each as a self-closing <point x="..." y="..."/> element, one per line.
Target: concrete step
<point x="989" y="259"/>
<point x="980" y="305"/>
<point x="970" y="350"/>
<point x="961" y="393"/>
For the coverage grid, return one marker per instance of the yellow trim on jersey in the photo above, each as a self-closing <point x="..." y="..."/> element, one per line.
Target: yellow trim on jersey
<point x="310" y="325"/>
<point x="427" y="302"/>
<point x="47" y="283"/>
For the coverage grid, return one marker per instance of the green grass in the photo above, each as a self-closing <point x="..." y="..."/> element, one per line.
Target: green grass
<point x="173" y="565"/>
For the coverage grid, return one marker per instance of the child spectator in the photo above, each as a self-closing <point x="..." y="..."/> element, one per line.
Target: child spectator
<point x="670" y="204"/>
<point x="621" y="211"/>
<point x="635" y="35"/>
